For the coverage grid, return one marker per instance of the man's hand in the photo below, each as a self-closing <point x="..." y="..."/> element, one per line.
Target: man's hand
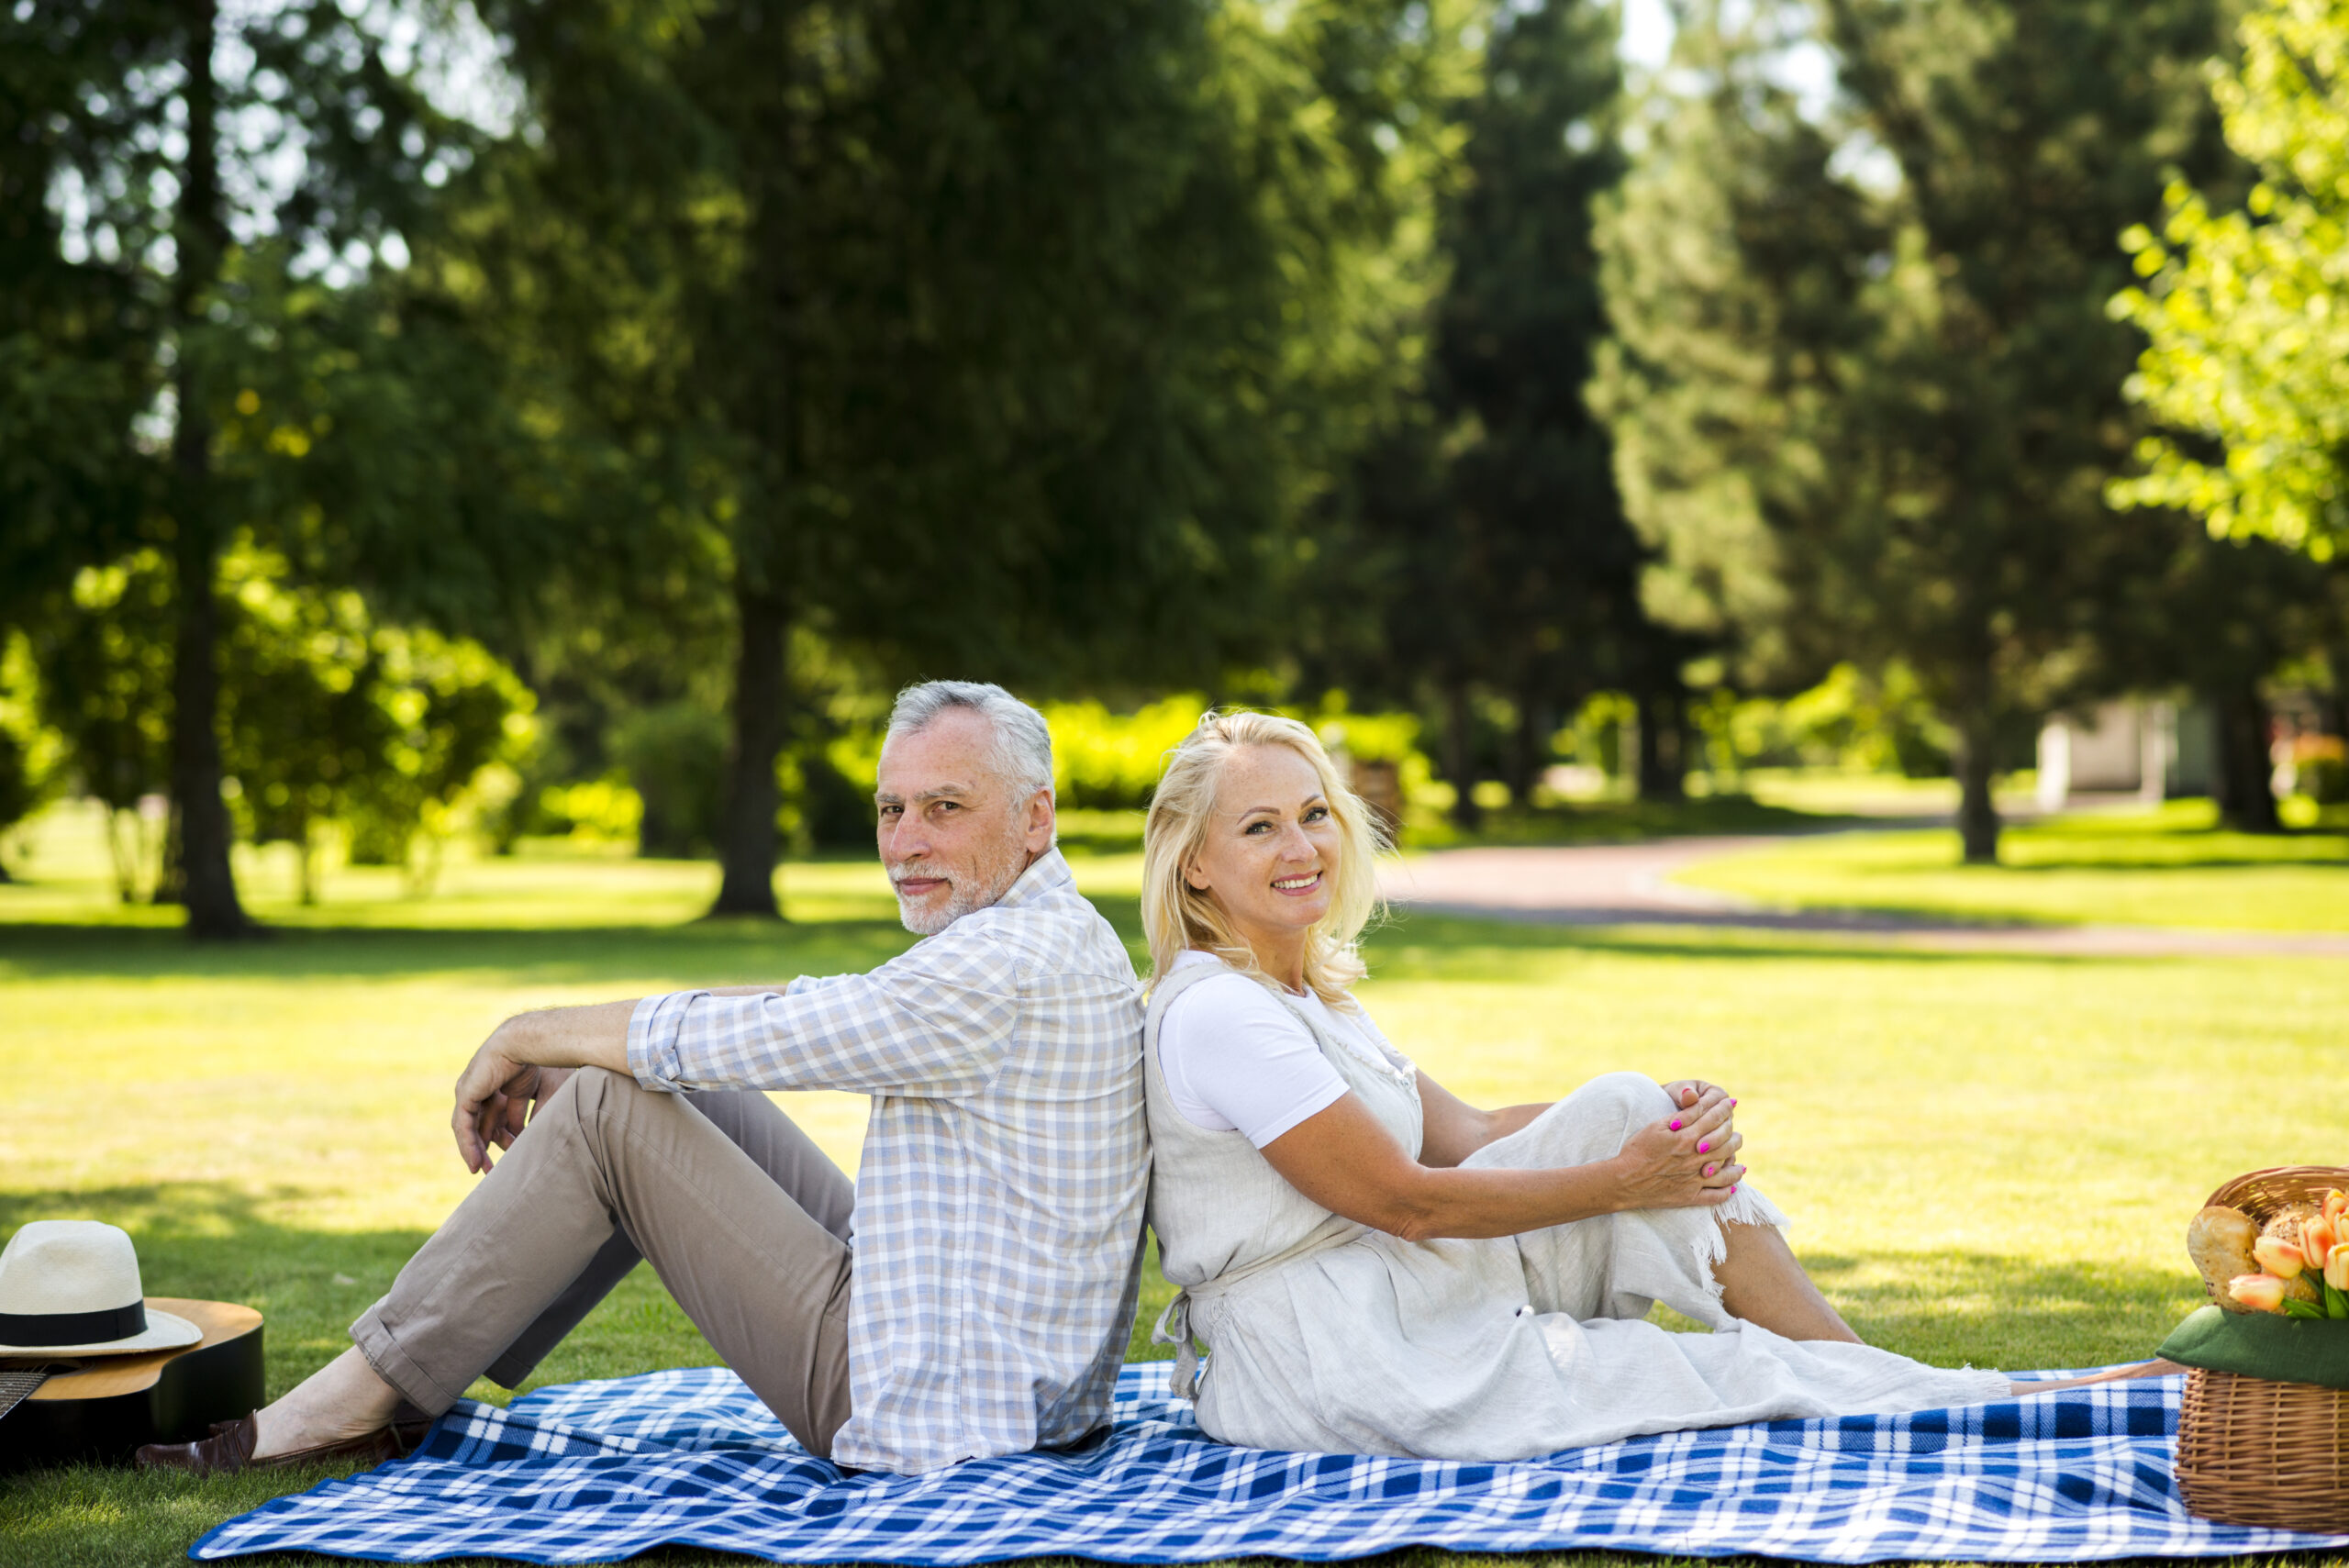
<point x="522" y="1063"/>
<point x="494" y="1095"/>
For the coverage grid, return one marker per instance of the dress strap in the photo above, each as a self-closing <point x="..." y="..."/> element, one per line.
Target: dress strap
<point x="1174" y="1326"/>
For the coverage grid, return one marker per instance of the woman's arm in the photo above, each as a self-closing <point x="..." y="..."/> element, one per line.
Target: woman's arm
<point x="1346" y="1160"/>
<point x="1455" y="1129"/>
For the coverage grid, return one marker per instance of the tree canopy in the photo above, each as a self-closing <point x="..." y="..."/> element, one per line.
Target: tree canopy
<point x="2246" y="370"/>
<point x="1869" y="391"/>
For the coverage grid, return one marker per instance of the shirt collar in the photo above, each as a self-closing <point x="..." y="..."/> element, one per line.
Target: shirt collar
<point x="1049" y="871"/>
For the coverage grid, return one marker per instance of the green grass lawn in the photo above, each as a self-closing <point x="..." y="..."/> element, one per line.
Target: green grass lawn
<point x="2171" y="866"/>
<point x="1989" y="1159"/>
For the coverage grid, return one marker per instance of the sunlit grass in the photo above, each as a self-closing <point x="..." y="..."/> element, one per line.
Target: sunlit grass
<point x="2170" y="866"/>
<point x="1989" y="1159"/>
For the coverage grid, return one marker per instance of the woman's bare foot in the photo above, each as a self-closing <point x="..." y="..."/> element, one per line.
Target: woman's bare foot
<point x="342" y="1400"/>
<point x="2110" y="1374"/>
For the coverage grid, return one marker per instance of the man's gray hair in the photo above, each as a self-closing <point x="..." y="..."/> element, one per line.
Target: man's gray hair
<point x="1023" y="742"/>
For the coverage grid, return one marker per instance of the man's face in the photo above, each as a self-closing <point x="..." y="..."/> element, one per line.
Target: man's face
<point x="954" y="834"/>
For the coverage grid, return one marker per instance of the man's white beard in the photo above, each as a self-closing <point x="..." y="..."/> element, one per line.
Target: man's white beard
<point x="962" y="897"/>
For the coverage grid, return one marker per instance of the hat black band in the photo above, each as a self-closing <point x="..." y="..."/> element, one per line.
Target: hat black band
<point x="72" y="1328"/>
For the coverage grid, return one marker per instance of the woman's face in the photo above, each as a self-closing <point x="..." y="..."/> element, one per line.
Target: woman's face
<point x="1273" y="846"/>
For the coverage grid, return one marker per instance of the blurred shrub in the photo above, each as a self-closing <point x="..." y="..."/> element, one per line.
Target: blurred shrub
<point x="330" y="718"/>
<point x="30" y="753"/>
<point x="1851" y="721"/>
<point x="823" y="807"/>
<point x="2318" y="768"/>
<point x="675" y="757"/>
<point x="1106" y="762"/>
<point x="600" y="811"/>
<point x="1597" y="736"/>
<point x="455" y="709"/>
<point x="1368" y="737"/>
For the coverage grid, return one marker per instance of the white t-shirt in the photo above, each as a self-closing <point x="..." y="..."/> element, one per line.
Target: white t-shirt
<point x="1236" y="1060"/>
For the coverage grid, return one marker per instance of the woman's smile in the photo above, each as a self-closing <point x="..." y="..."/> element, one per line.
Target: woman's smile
<point x="1294" y="885"/>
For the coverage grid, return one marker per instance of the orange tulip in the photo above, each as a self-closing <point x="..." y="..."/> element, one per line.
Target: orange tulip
<point x="2336" y="1266"/>
<point x="2337" y="1204"/>
<point x="2261" y="1293"/>
<point x="2316" y="1241"/>
<point x="2279" y="1257"/>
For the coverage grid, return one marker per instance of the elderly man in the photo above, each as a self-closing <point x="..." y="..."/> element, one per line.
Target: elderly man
<point x="984" y="1303"/>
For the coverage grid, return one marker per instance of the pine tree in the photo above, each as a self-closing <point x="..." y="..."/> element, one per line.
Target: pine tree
<point x="1870" y="393"/>
<point x="1501" y="558"/>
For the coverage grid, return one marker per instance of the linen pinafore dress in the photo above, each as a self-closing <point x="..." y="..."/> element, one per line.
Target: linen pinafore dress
<point x="1331" y="1337"/>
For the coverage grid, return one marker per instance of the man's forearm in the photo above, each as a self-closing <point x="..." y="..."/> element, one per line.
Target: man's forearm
<point x="591" y="1036"/>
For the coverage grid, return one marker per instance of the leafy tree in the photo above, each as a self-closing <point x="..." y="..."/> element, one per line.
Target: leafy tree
<point x="196" y="204"/>
<point x="971" y="334"/>
<point x="300" y="716"/>
<point x="2243" y="308"/>
<point x="332" y="718"/>
<point x="1869" y="390"/>
<point x="104" y="659"/>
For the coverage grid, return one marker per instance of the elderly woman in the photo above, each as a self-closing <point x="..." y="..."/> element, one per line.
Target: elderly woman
<point x="1380" y="1268"/>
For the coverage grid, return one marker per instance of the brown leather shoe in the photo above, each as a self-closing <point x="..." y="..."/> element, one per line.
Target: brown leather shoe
<point x="408" y="1423"/>
<point x="227" y="1453"/>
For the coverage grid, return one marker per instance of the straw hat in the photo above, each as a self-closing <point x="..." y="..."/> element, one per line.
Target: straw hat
<point x="70" y="1287"/>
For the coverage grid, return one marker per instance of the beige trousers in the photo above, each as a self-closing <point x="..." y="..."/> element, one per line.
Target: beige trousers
<point x="742" y="1216"/>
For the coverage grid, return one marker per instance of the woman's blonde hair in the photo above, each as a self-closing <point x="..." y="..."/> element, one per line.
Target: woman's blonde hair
<point x="1177" y="917"/>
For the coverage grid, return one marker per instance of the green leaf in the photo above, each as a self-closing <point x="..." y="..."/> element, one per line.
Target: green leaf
<point x="2335" y="1304"/>
<point x="2301" y="1309"/>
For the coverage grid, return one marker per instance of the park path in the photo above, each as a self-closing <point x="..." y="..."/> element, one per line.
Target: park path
<point x="1628" y="884"/>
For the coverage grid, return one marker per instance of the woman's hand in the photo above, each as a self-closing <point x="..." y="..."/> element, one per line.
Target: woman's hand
<point x="1687" y="1092"/>
<point x="1686" y="1161"/>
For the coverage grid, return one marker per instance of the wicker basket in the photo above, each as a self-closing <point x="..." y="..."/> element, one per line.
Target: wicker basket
<point x="2254" y="1452"/>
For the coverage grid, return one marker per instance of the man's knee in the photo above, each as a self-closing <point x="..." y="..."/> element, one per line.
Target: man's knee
<point x="593" y="1098"/>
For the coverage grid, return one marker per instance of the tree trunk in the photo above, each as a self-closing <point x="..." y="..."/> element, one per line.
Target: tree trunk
<point x="1460" y="757"/>
<point x="2336" y="700"/>
<point x="2244" y="785"/>
<point x="1978" y="813"/>
<point x="1528" y="749"/>
<point x="747" y="833"/>
<point x="198" y="872"/>
<point x="1660" y="771"/>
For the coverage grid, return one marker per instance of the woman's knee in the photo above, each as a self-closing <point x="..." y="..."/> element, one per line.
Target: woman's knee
<point x="1637" y="1097"/>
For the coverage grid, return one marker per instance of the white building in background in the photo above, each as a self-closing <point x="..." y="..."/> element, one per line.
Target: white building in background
<point x="2147" y="748"/>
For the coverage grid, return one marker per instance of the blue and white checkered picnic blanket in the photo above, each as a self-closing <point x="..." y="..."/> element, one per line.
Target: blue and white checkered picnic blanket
<point x="596" y="1471"/>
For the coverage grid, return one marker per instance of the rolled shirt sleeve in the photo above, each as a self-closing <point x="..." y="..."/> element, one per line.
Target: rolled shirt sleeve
<point x="937" y="1021"/>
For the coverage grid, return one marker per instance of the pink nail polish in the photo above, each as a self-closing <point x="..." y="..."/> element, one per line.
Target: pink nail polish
<point x="1711" y="1169"/>
<point x="1675" y="1127"/>
<point x="1704" y="1149"/>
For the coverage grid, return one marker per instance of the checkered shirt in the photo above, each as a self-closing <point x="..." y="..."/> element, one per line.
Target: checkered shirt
<point x="999" y="1203"/>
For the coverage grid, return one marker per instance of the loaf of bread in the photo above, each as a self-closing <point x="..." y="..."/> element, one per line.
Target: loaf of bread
<point x="2218" y="1241"/>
